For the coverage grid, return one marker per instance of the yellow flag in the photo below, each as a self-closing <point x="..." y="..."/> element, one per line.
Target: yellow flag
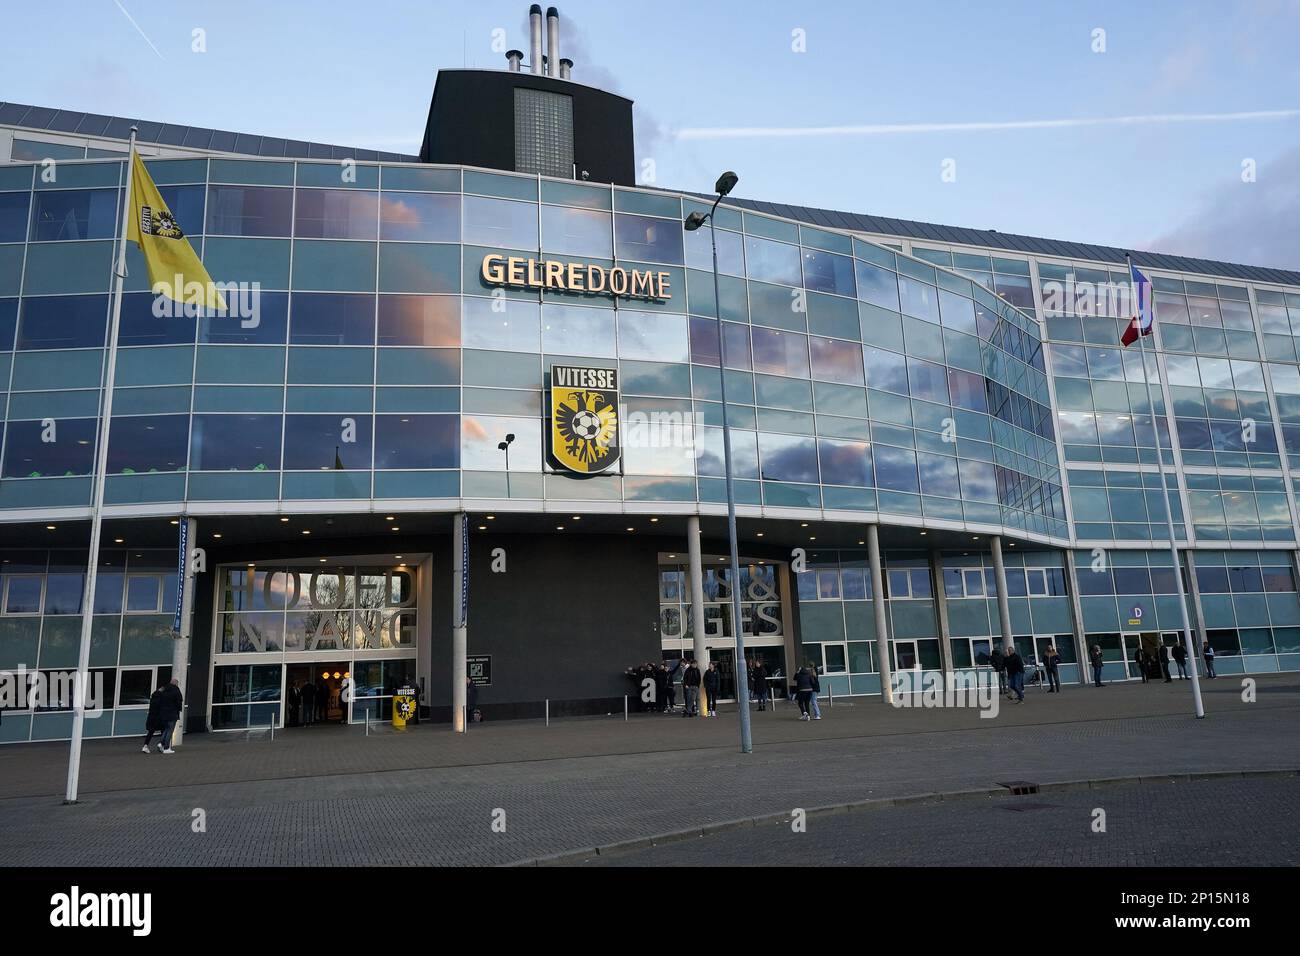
<point x="174" y="269"/>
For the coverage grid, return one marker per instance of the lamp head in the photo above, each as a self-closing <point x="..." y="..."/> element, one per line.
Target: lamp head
<point x="510" y="438"/>
<point x="695" y="220"/>
<point x="502" y="446"/>
<point x="726" y="183"/>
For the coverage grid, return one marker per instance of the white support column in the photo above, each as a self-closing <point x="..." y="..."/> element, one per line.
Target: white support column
<point x="181" y="644"/>
<point x="701" y="648"/>
<point x="1076" y="617"/>
<point x="1000" y="580"/>
<point x="883" y="660"/>
<point x="459" y="619"/>
<point x="941" y="610"/>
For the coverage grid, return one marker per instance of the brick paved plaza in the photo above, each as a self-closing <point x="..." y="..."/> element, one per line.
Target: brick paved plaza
<point x="333" y="796"/>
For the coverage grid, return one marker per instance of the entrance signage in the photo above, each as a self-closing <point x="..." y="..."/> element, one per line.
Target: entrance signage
<point x="479" y="670"/>
<point x="522" y="272"/>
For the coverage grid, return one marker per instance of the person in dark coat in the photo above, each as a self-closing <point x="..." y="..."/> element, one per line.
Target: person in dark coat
<point x="153" y="720"/>
<point x="165" y="707"/>
<point x="308" y="703"/>
<point x="1140" y="661"/>
<point x="803" y="691"/>
<point x="674" y="675"/>
<point x="1180" y="658"/>
<point x="759" y="677"/>
<point x="1094" y="657"/>
<point x="998" y="663"/>
<point x="712" y="683"/>
<point x="322" y="701"/>
<point x="295" y="704"/>
<point x="1164" y="663"/>
<point x="1052" y="661"/>
<point x="1015" y="668"/>
<point x="471" y="700"/>
<point x="691" y="690"/>
<point x="660" y="676"/>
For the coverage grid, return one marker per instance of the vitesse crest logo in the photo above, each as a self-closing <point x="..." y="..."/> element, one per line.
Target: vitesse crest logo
<point x="584" y="418"/>
<point x="159" y="222"/>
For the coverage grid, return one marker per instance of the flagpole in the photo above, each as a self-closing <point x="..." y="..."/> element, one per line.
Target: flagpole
<point x="81" y="687"/>
<point x="1164" y="490"/>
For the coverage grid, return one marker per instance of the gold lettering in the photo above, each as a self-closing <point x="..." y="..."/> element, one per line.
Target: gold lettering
<point x="661" y="290"/>
<point x="595" y="273"/>
<point x="534" y="279"/>
<point x="554" y="274"/>
<point x="515" y="270"/>
<point x="618" y="281"/>
<point x="493" y="273"/>
<point x="642" y="284"/>
<point x="575" y="277"/>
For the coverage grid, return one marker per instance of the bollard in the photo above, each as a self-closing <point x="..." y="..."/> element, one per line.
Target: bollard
<point x="625" y="707"/>
<point x="367" y="721"/>
<point x="548" y="712"/>
<point x="830" y="698"/>
<point x="272" y="728"/>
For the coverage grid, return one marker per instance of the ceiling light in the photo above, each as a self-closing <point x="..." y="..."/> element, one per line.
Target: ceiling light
<point x="284" y="520"/>
<point x="306" y="530"/>
<point x="492" y="517"/>
<point x="389" y="518"/>
<point x="482" y="527"/>
<point x="118" y="540"/>
<point x="397" y="557"/>
<point x="653" y="520"/>
<point x="175" y="521"/>
<point x="631" y="529"/>
<point x="759" y="534"/>
<point x="216" y="534"/>
<point x="559" y="527"/>
<point x="577" y="517"/>
<point x="50" y="527"/>
<point x="395" y="528"/>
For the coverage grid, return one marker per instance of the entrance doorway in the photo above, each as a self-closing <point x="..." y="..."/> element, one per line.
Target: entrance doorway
<point x="325" y="701"/>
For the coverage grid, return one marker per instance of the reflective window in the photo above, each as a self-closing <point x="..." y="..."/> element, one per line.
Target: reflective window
<point x="63" y="593"/>
<point x="731" y="251"/>
<point x="928" y="381"/>
<point x="23" y="595"/>
<point x="500" y="222"/>
<point x="13" y="217"/>
<point x="326" y="442"/>
<point x="938" y="475"/>
<point x="142" y="593"/>
<point x="139" y="326"/>
<point x="845" y="462"/>
<point x="787" y="458"/>
<point x="235" y="443"/>
<point x="780" y="353"/>
<point x="735" y="338"/>
<point x="744" y="453"/>
<point x="28" y="455"/>
<point x="575" y="330"/>
<point x="417" y="441"/>
<point x="877" y="286"/>
<point x="422" y="217"/>
<point x="74" y="214"/>
<point x="957" y="312"/>
<point x="268" y="325"/>
<point x="480" y="435"/>
<point x="249" y="211"/>
<point x="836" y="361"/>
<point x="919" y="299"/>
<point x="895" y="468"/>
<point x="332" y="319"/>
<point x="646" y="239"/>
<point x="772" y="261"/>
<point x="148" y="443"/>
<point x="511" y="325"/>
<point x="63" y="322"/>
<point x="653" y="336"/>
<point x="828" y="272"/>
<point x="577" y="232"/>
<point x="885" y="370"/>
<point x="431" y="320"/>
<point x="336" y="214"/>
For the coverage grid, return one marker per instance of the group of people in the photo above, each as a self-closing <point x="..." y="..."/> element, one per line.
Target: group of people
<point x="1146" y="662"/>
<point x="309" y="703"/>
<point x="664" y="679"/>
<point x="1010" y="668"/>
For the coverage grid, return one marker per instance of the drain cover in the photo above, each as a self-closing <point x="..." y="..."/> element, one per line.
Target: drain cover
<point x="1019" y="788"/>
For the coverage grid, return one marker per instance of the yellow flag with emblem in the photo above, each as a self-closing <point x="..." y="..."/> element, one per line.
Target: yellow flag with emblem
<point x="174" y="269"/>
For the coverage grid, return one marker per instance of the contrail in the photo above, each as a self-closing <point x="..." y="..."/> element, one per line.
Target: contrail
<point x="891" y="129"/>
<point x="138" y="30"/>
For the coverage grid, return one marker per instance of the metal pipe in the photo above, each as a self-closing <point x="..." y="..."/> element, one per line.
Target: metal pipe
<point x="552" y="42"/>
<point x="566" y="68"/>
<point x="514" y="57"/>
<point x="535" y="39"/>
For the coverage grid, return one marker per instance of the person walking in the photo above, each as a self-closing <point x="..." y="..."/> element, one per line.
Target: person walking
<point x="712" y="684"/>
<point x="308" y="703"/>
<point x="1140" y="662"/>
<point x="760" y="683"/>
<point x="153" y="719"/>
<point x="1180" y="658"/>
<point x="691" y="690"/>
<point x="1052" y="662"/>
<point x="998" y="662"/>
<point x="165" y="707"/>
<point x="1015" y="667"/>
<point x="803" y="688"/>
<point x="1164" y="662"/>
<point x="1208" y="653"/>
<point x="816" y="692"/>
<point x="1094" y="657"/>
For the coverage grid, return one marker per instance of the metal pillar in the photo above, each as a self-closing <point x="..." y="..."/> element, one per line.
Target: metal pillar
<point x="697" y="602"/>
<point x="941" y="610"/>
<point x="181" y="645"/>
<point x="883" y="659"/>
<point x="1000" y="581"/>
<point x="459" y="619"/>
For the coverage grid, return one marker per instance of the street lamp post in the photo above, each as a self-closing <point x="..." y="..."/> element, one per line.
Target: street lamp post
<point x="505" y="447"/>
<point x="725" y="184"/>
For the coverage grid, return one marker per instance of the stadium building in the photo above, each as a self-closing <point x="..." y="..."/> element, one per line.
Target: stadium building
<point x="938" y="442"/>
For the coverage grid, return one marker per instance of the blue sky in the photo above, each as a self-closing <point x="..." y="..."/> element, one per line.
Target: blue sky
<point x="362" y="74"/>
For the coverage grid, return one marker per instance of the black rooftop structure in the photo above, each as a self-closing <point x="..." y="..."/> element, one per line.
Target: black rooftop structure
<point x="197" y="137"/>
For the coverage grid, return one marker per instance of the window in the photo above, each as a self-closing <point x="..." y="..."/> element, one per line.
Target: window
<point x="877" y="286"/>
<point x="836" y="361"/>
<point x="65" y="214"/>
<point x="143" y="593"/>
<point x="249" y="211"/>
<point x="63" y="322"/>
<point x="500" y="222"/>
<point x="648" y="239"/>
<point x="336" y="214"/>
<point x="828" y="272"/>
<point x="23" y="594"/>
<point x="235" y="443"/>
<point x="973" y="580"/>
<point x="772" y="261"/>
<point x="148" y="443"/>
<point x="29" y="455"/>
<point x="331" y="319"/>
<point x="326" y="442"/>
<point x="845" y="462"/>
<point x="575" y="330"/>
<point x="419" y="217"/>
<point x="417" y="441"/>
<point x="787" y="458"/>
<point x="780" y="353"/>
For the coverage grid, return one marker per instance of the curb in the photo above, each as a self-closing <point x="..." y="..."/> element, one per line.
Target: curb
<point x="571" y="857"/>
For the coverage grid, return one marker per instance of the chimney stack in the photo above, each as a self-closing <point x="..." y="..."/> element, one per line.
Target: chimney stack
<point x="535" y="38"/>
<point x="553" y="41"/>
<point x="514" y="56"/>
<point x="566" y="67"/>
